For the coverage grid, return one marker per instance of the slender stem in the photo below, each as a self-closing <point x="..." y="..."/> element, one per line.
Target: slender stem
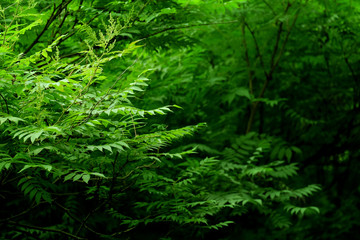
<point x="269" y="6"/>
<point x="356" y="92"/>
<point x="114" y="173"/>
<point x="190" y="26"/>
<point x="12" y="21"/>
<point x="275" y="59"/>
<point x="71" y="33"/>
<point x="20" y="214"/>
<point x="6" y="104"/>
<point x="284" y="43"/>
<point x="257" y="48"/>
<point x="44" y="229"/>
<point x="250" y="72"/>
<point x="255" y="104"/>
<point x="83" y="222"/>
<point x="68" y="212"/>
<point x="276" y="46"/>
<point x="56" y="12"/>
<point x="140" y="12"/>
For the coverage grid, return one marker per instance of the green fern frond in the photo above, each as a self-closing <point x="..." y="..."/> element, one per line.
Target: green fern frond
<point x="306" y="191"/>
<point x="33" y="189"/>
<point x="294" y="210"/>
<point x="280" y="220"/>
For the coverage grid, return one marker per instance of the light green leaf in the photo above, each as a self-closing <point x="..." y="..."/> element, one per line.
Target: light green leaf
<point x="77" y="177"/>
<point x="98" y="174"/>
<point x="69" y="176"/>
<point x="86" y="178"/>
<point x="34" y="136"/>
<point x="25" y="167"/>
<point x="47" y="167"/>
<point x="242" y="92"/>
<point x="107" y="147"/>
<point x="7" y="165"/>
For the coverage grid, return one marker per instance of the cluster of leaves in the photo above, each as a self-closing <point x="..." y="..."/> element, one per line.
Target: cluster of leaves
<point x="65" y="134"/>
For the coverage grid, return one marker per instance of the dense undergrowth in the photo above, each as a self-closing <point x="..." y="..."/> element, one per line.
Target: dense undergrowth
<point x="179" y="119"/>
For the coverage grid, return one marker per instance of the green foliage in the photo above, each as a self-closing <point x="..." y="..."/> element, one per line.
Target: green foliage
<point x="67" y="121"/>
<point x="93" y="144"/>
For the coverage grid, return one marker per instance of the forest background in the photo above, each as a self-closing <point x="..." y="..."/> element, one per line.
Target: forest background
<point x="179" y="119"/>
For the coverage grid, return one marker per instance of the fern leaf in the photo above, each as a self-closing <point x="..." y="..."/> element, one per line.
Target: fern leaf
<point x="294" y="210"/>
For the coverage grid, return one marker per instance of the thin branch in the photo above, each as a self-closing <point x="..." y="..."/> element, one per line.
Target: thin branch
<point x="138" y="167"/>
<point x="63" y="20"/>
<point x="119" y="233"/>
<point x="68" y="194"/>
<point x="115" y="174"/>
<point x="257" y="48"/>
<point x="356" y="92"/>
<point x="250" y="72"/>
<point x="45" y="229"/>
<point x="68" y="212"/>
<point x="140" y="12"/>
<point x="20" y="214"/>
<point x="190" y="26"/>
<point x="351" y="70"/>
<point x="55" y="13"/>
<point x="275" y="59"/>
<point x="269" y="6"/>
<point x="76" y="15"/>
<point x="133" y="122"/>
<point x="83" y="222"/>
<point x="276" y="46"/>
<point x="58" y="29"/>
<point x="12" y="21"/>
<point x="70" y="34"/>
<point x="255" y="105"/>
<point x="278" y="37"/>
<point x="6" y="104"/>
<point x="284" y="43"/>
